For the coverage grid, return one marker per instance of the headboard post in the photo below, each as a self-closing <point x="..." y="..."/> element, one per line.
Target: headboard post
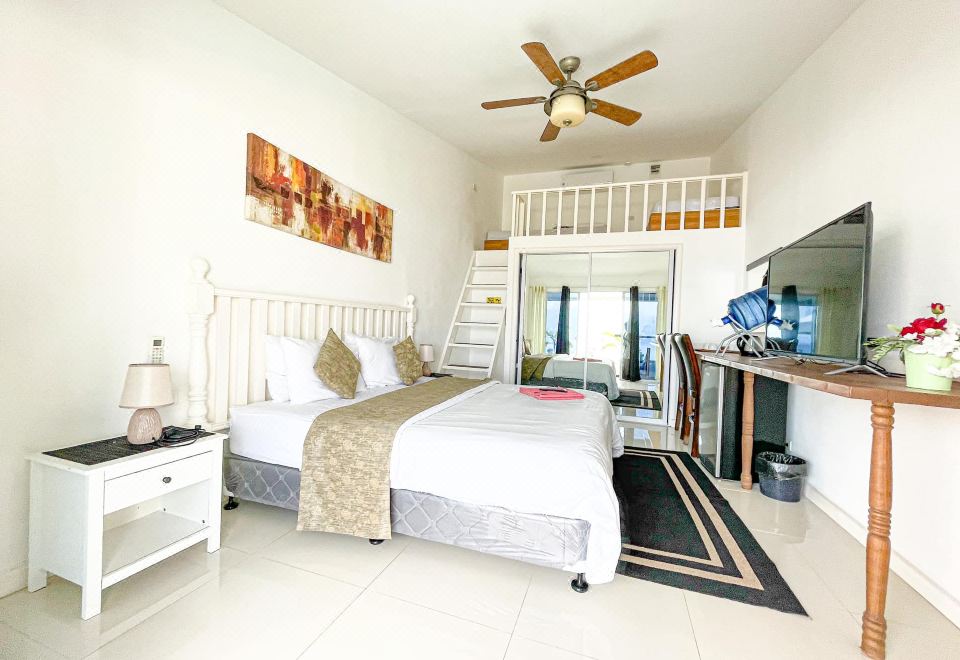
<point x="199" y="308"/>
<point x="411" y="314"/>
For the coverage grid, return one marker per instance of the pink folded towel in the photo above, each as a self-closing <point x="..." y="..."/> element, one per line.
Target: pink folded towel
<point x="551" y="394"/>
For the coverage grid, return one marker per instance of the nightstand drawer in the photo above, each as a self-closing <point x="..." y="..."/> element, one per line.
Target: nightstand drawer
<point x="153" y="482"/>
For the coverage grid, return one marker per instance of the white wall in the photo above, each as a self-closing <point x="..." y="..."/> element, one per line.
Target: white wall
<point x="669" y="169"/>
<point x="124" y="128"/>
<point x="869" y="117"/>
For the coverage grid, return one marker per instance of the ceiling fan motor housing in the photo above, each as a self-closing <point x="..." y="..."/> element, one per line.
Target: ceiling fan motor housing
<point x="568" y="105"/>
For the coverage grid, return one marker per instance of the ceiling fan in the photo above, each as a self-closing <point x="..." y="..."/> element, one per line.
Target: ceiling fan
<point x="568" y="104"/>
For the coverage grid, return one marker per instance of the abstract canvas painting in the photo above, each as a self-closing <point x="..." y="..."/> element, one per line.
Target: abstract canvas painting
<point x="285" y="193"/>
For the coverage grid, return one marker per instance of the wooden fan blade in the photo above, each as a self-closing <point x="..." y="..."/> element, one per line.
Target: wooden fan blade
<point x="626" y="69"/>
<point x="550" y="133"/>
<point x="617" y="113"/>
<point x="540" y="56"/>
<point x="510" y="103"/>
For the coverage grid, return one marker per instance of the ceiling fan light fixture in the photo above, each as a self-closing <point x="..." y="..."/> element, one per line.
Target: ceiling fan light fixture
<point x="567" y="111"/>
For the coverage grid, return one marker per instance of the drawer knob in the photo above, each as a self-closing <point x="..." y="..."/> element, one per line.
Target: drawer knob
<point x="167" y="480"/>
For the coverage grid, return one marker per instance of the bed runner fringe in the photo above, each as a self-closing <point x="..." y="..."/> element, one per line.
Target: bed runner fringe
<point x="345" y="478"/>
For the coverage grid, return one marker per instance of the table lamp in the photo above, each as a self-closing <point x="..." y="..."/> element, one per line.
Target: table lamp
<point x="426" y="356"/>
<point x="147" y="387"/>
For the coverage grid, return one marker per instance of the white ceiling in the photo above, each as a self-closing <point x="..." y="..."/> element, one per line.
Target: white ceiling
<point x="436" y="60"/>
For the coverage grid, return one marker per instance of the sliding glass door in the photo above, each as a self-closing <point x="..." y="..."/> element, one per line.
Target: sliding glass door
<point x="590" y="320"/>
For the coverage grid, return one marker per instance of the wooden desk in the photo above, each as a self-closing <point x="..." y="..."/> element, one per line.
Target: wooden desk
<point x="883" y="393"/>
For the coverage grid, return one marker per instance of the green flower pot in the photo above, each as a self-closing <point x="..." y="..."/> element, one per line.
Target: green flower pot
<point x="918" y="375"/>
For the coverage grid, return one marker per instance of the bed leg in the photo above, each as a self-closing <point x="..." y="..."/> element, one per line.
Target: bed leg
<point x="376" y="541"/>
<point x="231" y="504"/>
<point x="578" y="584"/>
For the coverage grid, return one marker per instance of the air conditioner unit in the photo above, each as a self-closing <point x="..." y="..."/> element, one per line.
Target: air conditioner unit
<point x="578" y="178"/>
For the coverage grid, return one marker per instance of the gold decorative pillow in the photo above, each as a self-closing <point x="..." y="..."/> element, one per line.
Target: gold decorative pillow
<point x="409" y="365"/>
<point x="337" y="366"/>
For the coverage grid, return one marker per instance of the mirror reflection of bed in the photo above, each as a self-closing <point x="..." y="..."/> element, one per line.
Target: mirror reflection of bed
<point x="590" y="321"/>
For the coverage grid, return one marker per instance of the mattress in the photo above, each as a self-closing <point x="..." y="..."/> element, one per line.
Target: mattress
<point x="549" y="541"/>
<point x="273" y="432"/>
<point x="693" y="204"/>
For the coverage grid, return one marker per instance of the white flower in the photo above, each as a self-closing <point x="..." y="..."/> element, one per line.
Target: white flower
<point x="910" y="336"/>
<point x="938" y="345"/>
<point x="952" y="371"/>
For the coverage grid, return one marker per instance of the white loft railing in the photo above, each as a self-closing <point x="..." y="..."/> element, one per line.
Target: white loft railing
<point x="717" y="201"/>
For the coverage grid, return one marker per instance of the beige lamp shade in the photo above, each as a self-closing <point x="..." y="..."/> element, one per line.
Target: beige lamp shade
<point x="426" y="353"/>
<point x="147" y="386"/>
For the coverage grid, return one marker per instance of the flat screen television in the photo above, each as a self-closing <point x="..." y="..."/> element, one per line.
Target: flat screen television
<point x="818" y="286"/>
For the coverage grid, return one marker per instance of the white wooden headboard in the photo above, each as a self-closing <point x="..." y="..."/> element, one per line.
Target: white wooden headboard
<point x="228" y="330"/>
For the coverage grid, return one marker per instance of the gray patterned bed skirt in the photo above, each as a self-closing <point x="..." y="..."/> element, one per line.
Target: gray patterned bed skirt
<point x="549" y="541"/>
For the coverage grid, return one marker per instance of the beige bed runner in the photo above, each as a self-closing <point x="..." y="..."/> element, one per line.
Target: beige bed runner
<point x="345" y="478"/>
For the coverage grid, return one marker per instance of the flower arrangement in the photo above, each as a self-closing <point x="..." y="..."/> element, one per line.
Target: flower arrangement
<point x="929" y="347"/>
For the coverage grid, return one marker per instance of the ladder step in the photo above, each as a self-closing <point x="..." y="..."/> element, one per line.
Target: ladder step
<point x="463" y="367"/>
<point x="486" y="286"/>
<point x="490" y="268"/>
<point x="480" y="304"/>
<point x="476" y="324"/>
<point x="461" y="345"/>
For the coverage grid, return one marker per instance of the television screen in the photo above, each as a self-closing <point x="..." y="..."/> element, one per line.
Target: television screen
<point x="818" y="286"/>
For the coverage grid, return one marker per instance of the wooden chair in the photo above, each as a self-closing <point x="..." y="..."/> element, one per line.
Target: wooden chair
<point x="680" y="423"/>
<point x="691" y="369"/>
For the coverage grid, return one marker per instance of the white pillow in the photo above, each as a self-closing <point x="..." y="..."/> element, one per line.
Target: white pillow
<point x="300" y="356"/>
<point x="276" y="369"/>
<point x="378" y="363"/>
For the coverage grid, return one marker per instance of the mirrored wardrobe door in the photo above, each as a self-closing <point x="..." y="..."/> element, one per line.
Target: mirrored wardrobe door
<point x="552" y="319"/>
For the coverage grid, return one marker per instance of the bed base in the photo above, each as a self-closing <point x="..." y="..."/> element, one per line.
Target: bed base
<point x="549" y="541"/>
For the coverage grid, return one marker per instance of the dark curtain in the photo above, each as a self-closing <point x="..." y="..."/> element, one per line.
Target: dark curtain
<point x="630" y="365"/>
<point x="563" y="324"/>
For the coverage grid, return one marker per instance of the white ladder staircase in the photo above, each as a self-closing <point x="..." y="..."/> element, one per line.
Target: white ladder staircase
<point x="477" y="326"/>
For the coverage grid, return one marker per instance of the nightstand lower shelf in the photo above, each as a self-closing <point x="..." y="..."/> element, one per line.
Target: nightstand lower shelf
<point x="132" y="547"/>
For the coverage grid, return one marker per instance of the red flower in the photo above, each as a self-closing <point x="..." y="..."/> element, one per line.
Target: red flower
<point x="936" y="308"/>
<point x="919" y="326"/>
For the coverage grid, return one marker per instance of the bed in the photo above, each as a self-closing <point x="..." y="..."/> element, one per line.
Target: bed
<point x="713" y="215"/>
<point x="491" y="470"/>
<point x="563" y="366"/>
<point x="565" y="371"/>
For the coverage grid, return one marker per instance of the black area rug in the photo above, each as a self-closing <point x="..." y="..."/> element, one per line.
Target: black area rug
<point x="639" y="399"/>
<point x="678" y="530"/>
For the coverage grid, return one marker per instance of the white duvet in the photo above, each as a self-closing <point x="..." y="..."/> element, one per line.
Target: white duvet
<point x="491" y="446"/>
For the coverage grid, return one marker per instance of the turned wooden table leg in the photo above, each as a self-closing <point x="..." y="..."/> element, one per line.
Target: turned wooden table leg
<point x="746" y="435"/>
<point x="873" y="640"/>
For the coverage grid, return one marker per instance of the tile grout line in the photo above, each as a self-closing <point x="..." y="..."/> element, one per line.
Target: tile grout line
<point x="160" y="611"/>
<point x="307" y="570"/>
<point x="823" y="581"/>
<point x="517" y="620"/>
<point x="363" y="590"/>
<point x="557" y="648"/>
<point x="433" y="609"/>
<point x="693" y="631"/>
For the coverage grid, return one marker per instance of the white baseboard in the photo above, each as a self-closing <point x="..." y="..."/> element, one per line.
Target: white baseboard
<point x="935" y="595"/>
<point x="13" y="580"/>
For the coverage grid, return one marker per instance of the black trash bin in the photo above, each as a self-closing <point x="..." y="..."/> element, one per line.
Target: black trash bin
<point x="781" y="475"/>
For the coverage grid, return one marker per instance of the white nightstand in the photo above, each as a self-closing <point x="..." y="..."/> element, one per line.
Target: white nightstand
<point x="95" y="525"/>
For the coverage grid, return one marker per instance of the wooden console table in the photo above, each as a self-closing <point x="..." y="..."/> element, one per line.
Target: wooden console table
<point x="882" y="393"/>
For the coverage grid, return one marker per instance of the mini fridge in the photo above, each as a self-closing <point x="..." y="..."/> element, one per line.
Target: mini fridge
<point x="721" y="405"/>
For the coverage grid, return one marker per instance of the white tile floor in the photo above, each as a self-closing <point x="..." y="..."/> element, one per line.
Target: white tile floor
<point x="272" y="592"/>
